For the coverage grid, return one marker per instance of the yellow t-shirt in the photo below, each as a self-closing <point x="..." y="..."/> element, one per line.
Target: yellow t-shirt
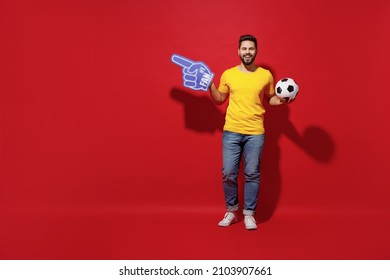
<point x="245" y="112"/>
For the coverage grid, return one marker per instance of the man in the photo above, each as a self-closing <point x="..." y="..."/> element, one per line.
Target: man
<point x="246" y="85"/>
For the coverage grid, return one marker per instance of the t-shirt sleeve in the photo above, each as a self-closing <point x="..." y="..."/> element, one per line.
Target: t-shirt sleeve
<point x="223" y="87"/>
<point x="271" y="85"/>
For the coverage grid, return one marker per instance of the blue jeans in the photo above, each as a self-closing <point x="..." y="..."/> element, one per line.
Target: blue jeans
<point x="234" y="146"/>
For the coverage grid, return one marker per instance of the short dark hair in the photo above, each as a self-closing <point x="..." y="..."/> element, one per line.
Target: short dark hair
<point x="247" y="37"/>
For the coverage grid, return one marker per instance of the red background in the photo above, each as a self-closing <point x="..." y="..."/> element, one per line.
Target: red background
<point x="105" y="155"/>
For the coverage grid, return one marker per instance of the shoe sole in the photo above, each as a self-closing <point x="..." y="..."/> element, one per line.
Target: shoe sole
<point x="251" y="228"/>
<point x="226" y="225"/>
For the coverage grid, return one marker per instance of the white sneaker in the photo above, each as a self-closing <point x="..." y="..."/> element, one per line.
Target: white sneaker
<point x="228" y="219"/>
<point x="250" y="222"/>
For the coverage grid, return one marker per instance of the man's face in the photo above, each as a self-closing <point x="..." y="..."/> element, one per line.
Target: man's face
<point x="247" y="52"/>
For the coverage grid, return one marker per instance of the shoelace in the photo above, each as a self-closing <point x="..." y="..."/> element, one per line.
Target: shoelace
<point x="229" y="216"/>
<point x="251" y="219"/>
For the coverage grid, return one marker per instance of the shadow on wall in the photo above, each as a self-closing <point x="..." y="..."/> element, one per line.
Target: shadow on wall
<point x="314" y="141"/>
<point x="202" y="115"/>
<point x="200" y="112"/>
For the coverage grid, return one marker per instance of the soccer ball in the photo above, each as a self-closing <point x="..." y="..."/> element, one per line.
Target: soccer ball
<point x="287" y="89"/>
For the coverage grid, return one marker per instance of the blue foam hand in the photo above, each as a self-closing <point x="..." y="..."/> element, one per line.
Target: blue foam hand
<point x="196" y="74"/>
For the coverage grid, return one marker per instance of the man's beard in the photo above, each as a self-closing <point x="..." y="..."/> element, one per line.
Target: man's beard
<point x="248" y="60"/>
